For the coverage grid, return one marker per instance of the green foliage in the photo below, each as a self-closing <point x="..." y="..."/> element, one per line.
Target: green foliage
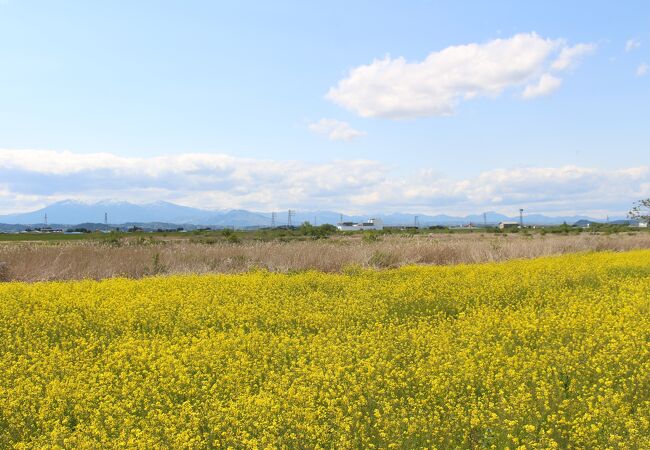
<point x="383" y="260"/>
<point x="78" y="230"/>
<point x="233" y="239"/>
<point x="317" y="232"/>
<point x="371" y="236"/>
<point x="113" y="240"/>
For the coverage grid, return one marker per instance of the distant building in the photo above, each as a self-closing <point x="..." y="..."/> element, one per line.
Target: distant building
<point x="643" y="225"/>
<point x="370" y="224"/>
<point x="48" y="230"/>
<point x="504" y="225"/>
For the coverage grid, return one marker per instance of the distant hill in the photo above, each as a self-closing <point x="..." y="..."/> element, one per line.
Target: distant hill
<point x="74" y="212"/>
<point x="237" y="218"/>
<point x="71" y="212"/>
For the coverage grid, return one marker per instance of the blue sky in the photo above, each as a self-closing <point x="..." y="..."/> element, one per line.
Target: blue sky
<point x="354" y="106"/>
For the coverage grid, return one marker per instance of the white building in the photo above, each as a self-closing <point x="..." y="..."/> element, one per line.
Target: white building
<point x="370" y="224"/>
<point x="504" y="225"/>
<point x="643" y="225"/>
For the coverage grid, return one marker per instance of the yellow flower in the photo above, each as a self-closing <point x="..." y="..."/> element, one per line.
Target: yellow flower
<point x="545" y="353"/>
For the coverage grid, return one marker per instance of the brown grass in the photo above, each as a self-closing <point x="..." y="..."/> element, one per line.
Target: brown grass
<point x="4" y="272"/>
<point x="87" y="259"/>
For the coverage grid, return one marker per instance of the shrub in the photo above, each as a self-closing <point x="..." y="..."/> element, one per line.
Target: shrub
<point x="383" y="260"/>
<point x="233" y="239"/>
<point x="371" y="236"/>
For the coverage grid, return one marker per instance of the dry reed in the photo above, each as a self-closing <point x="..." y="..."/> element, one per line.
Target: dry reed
<point x="88" y="259"/>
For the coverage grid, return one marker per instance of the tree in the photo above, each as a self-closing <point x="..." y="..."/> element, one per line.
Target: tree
<point x="318" y="232"/>
<point x="307" y="229"/>
<point x="640" y="211"/>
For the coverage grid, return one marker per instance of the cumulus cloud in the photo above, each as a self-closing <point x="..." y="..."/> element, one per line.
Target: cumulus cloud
<point x="33" y="178"/>
<point x="631" y="44"/>
<point x="544" y="86"/>
<point x="642" y="70"/>
<point x="335" y="130"/>
<point x="396" y="88"/>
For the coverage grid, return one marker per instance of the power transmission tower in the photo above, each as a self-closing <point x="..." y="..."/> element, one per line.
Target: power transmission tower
<point x="45" y="219"/>
<point x="485" y="219"/>
<point x="415" y="221"/>
<point x="105" y="218"/>
<point x="521" y="217"/>
<point x="290" y="214"/>
<point x="273" y="220"/>
<point x="340" y="218"/>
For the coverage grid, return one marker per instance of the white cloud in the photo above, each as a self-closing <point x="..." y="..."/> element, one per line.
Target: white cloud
<point x="396" y="88"/>
<point x="631" y="44"/>
<point x="544" y="86"/>
<point x="571" y="56"/>
<point x="335" y="130"/>
<point x="642" y="69"/>
<point x="33" y="178"/>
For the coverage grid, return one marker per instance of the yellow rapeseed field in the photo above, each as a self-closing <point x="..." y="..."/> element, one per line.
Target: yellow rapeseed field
<point x="546" y="353"/>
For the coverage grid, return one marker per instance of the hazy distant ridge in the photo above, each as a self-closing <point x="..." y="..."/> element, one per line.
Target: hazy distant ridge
<point x="73" y="212"/>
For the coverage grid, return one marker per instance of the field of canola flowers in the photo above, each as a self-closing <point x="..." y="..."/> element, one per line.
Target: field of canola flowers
<point x="546" y="353"/>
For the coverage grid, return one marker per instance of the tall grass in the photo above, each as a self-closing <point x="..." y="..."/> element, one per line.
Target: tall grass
<point x="140" y="258"/>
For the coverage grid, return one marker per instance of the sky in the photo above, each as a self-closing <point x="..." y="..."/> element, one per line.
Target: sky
<point x="365" y="106"/>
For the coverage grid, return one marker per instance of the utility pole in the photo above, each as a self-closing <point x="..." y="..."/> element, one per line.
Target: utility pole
<point x="290" y="214"/>
<point x="273" y="219"/>
<point x="521" y="217"/>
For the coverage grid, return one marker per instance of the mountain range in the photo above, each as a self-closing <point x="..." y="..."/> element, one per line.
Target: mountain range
<point x="71" y="212"/>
